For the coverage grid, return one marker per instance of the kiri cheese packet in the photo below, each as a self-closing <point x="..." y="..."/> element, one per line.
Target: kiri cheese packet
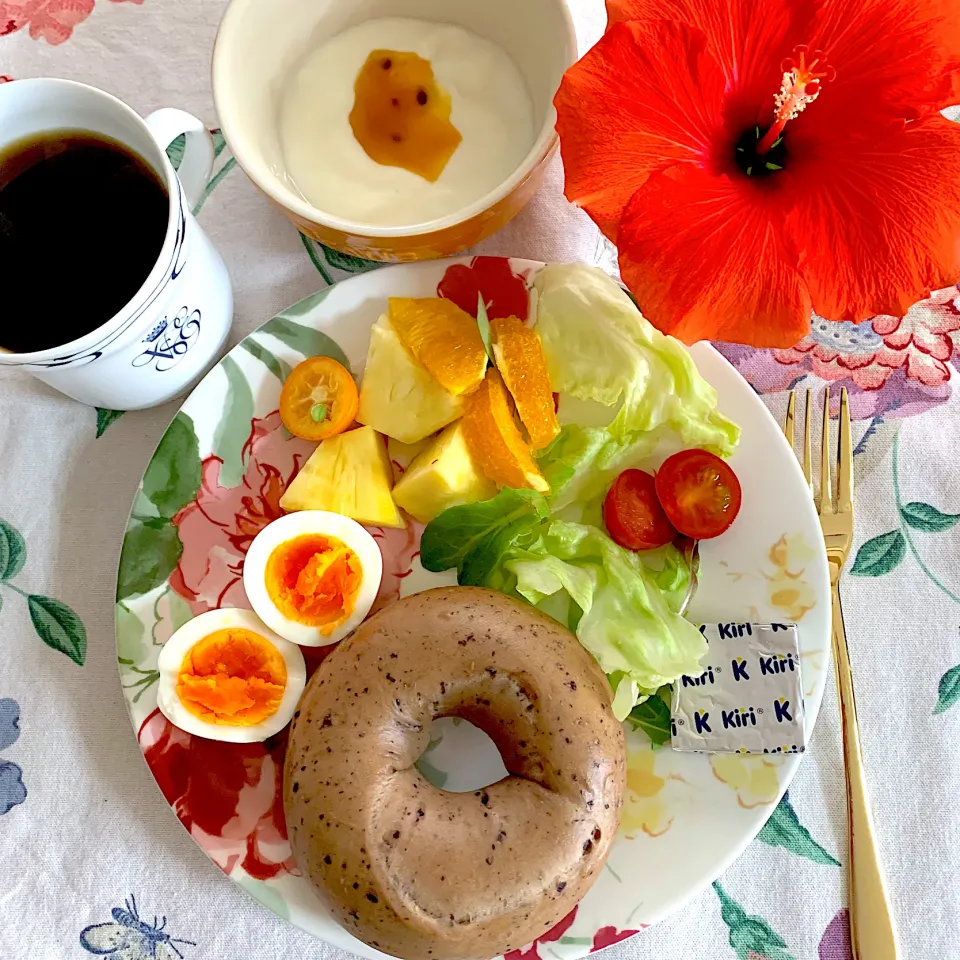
<point x="749" y="698"/>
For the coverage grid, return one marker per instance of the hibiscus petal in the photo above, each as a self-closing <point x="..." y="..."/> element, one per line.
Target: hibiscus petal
<point x="703" y="255"/>
<point x="874" y="217"/>
<point x="645" y="96"/>
<point x="896" y="55"/>
<point x="748" y="45"/>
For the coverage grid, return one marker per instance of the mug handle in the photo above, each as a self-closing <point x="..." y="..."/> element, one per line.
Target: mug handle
<point x="197" y="163"/>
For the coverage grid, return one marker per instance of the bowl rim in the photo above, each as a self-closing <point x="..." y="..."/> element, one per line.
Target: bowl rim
<point x="542" y="147"/>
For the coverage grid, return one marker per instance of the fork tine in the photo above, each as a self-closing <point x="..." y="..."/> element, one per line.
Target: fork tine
<point x="789" y="419"/>
<point x="826" y="488"/>
<point x="844" y="457"/>
<point x="807" y="444"/>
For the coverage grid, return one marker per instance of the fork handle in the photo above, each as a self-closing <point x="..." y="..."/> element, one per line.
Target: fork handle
<point x="873" y="934"/>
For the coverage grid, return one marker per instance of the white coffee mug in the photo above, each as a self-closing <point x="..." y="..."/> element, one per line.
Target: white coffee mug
<point x="173" y="329"/>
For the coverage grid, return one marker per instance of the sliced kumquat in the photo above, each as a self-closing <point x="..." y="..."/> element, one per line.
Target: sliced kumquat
<point x="443" y="338"/>
<point x="494" y="439"/>
<point x="319" y="399"/>
<point x="520" y="360"/>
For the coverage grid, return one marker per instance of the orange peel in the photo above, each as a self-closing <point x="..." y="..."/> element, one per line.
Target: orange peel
<point x="494" y="440"/>
<point x="520" y="360"/>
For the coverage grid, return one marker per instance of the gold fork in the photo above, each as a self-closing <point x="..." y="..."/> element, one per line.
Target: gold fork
<point x="873" y="933"/>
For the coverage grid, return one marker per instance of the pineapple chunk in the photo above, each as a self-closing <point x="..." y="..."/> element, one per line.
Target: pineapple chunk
<point x="444" y="475"/>
<point x="347" y="474"/>
<point x="398" y="397"/>
<point x="401" y="455"/>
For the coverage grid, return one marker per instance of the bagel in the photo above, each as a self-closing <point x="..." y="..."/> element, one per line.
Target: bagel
<point x="419" y="872"/>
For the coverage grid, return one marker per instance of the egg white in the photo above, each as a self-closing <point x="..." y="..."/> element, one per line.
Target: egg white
<point x="348" y="532"/>
<point x="191" y="633"/>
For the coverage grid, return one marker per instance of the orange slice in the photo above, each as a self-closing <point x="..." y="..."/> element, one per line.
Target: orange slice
<point x="443" y="338"/>
<point x="520" y="360"/>
<point x="494" y="440"/>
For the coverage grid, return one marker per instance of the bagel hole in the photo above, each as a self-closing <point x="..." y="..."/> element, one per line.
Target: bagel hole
<point x="460" y="757"/>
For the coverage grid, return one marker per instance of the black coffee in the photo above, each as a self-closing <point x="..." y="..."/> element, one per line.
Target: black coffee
<point x="82" y="222"/>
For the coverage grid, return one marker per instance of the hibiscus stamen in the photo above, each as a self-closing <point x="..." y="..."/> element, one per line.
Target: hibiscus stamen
<point x="800" y="87"/>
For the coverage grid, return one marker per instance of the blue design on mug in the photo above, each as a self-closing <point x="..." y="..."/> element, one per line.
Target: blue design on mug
<point x="156" y="331"/>
<point x="167" y="346"/>
<point x="175" y="266"/>
<point x="130" y="938"/>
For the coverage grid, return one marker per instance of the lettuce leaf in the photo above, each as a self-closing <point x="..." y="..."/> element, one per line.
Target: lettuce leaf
<point x="600" y="348"/>
<point x="626" y="610"/>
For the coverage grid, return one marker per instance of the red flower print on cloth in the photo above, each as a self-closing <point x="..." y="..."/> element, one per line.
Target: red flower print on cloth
<point x="217" y="528"/>
<point x="50" y="20"/>
<point x="892" y="366"/>
<point x="505" y="293"/>
<point x="228" y="796"/>
<point x="920" y="342"/>
<point x="531" y="952"/>
<point x="608" y="936"/>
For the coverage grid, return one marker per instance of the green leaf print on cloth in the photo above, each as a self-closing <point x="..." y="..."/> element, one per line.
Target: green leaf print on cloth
<point x="347" y="263"/>
<point x="784" y="829"/>
<point x="105" y="418"/>
<point x="233" y="430"/>
<point x="879" y="555"/>
<point x="922" y="516"/>
<point x="750" y="936"/>
<point x="949" y="690"/>
<point x="343" y="262"/>
<point x="57" y="625"/>
<point x="882" y="554"/>
<point x="13" y="551"/>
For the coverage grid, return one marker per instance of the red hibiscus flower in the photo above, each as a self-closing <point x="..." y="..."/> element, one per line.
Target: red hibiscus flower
<point x="690" y="134"/>
<point x="505" y="293"/>
<point x="608" y="936"/>
<point x="228" y="796"/>
<point x="530" y="951"/>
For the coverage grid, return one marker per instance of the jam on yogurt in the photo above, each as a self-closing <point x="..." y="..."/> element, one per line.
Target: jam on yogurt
<point x="400" y="115"/>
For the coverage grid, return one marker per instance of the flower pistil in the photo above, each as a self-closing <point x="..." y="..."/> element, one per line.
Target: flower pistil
<point x="800" y="87"/>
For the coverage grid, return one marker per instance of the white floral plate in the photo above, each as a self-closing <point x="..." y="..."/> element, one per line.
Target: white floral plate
<point x="216" y="480"/>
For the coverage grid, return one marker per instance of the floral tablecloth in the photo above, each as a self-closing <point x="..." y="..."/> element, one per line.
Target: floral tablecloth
<point x="87" y="843"/>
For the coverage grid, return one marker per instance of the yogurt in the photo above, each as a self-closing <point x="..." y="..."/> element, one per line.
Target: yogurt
<point x="490" y="107"/>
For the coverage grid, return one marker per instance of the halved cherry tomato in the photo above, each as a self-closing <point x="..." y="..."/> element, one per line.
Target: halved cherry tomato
<point x="699" y="492"/>
<point x="319" y="399"/>
<point x="633" y="515"/>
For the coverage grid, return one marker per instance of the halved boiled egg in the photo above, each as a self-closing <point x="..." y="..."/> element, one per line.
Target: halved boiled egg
<point x="312" y="576"/>
<point x="226" y="676"/>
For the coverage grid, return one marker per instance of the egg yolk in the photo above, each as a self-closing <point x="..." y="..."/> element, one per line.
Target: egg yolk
<point x="401" y="116"/>
<point x="233" y="677"/>
<point x="314" y="579"/>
